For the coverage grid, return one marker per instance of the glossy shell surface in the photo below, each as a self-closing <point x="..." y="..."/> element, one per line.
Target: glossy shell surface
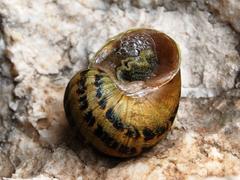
<point x="127" y="99"/>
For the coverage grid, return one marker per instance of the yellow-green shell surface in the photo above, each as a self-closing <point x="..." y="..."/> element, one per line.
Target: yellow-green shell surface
<point x="127" y="99"/>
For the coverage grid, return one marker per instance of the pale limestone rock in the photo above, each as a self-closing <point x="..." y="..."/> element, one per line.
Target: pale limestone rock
<point x="40" y="177"/>
<point x="229" y="11"/>
<point x="48" y="41"/>
<point x="64" y="165"/>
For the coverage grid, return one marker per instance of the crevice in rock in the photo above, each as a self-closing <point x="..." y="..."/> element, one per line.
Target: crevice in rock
<point x="238" y="46"/>
<point x="6" y="95"/>
<point x="237" y="80"/>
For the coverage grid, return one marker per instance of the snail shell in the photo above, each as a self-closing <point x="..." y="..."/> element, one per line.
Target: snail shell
<point x="127" y="99"/>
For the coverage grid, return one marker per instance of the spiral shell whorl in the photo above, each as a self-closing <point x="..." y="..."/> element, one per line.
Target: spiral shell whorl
<point x="97" y="100"/>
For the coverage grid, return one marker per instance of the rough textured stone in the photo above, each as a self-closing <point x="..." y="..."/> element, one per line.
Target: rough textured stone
<point x="6" y="167"/>
<point x="43" y="43"/>
<point x="229" y="11"/>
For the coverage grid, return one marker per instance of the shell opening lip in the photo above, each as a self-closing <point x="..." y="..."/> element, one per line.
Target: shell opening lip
<point x="139" y="88"/>
<point x="167" y="53"/>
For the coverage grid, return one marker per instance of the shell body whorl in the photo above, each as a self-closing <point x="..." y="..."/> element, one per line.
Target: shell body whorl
<point x="127" y="99"/>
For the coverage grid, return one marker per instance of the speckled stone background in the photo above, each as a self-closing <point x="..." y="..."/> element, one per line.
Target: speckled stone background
<point x="43" y="43"/>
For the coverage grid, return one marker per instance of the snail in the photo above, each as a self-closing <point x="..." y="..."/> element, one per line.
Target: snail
<point x="127" y="99"/>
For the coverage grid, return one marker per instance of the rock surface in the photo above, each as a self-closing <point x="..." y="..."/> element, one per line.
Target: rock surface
<point x="43" y="43"/>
